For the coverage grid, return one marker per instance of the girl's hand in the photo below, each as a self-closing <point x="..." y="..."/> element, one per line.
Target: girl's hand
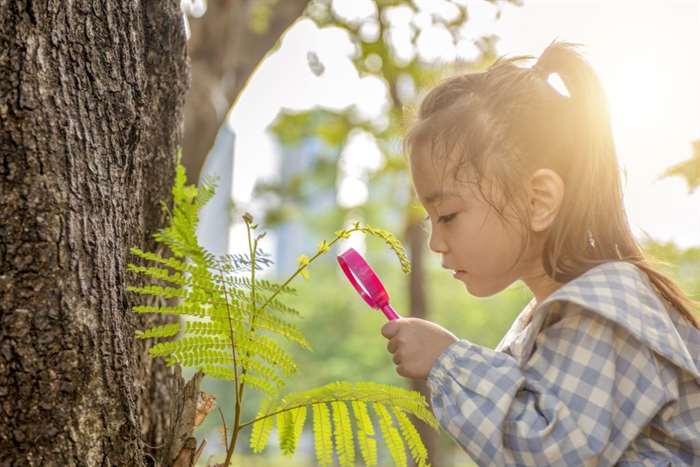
<point x="416" y="344"/>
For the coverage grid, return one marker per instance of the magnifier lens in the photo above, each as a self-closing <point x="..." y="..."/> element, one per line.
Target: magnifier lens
<point x="366" y="282"/>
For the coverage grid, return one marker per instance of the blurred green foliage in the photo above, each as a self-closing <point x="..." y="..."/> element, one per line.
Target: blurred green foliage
<point x="689" y="170"/>
<point x="343" y="331"/>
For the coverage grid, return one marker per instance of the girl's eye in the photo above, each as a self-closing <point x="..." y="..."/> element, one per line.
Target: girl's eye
<point x="446" y="219"/>
<point x="443" y="219"/>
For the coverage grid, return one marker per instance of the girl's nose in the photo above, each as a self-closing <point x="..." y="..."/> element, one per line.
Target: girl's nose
<point x="436" y="243"/>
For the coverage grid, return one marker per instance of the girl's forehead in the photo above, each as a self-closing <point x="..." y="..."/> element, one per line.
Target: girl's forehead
<point x="436" y="184"/>
<point x="432" y="165"/>
<point x="451" y="182"/>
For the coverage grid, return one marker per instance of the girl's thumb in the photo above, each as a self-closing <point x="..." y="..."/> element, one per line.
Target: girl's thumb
<point x="390" y="329"/>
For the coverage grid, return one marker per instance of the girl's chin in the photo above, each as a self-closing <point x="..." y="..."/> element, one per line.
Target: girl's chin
<point x="478" y="290"/>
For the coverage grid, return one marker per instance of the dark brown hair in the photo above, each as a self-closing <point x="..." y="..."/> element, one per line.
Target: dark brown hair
<point x="509" y="121"/>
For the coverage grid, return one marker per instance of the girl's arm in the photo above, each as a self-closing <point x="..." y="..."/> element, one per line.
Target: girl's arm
<point x="585" y="393"/>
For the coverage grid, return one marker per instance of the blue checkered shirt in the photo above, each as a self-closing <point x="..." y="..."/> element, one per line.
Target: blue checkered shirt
<point x="605" y="373"/>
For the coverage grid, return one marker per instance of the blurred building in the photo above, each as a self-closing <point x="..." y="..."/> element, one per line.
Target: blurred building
<point x="215" y="217"/>
<point x="293" y="238"/>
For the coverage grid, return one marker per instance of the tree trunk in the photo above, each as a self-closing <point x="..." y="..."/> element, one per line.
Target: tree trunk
<point x="415" y="238"/>
<point x="226" y="45"/>
<point x="91" y="102"/>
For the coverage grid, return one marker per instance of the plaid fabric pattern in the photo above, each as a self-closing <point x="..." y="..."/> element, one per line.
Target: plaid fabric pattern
<point x="602" y="375"/>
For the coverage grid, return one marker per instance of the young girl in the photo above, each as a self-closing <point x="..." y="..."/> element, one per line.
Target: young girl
<point x="521" y="181"/>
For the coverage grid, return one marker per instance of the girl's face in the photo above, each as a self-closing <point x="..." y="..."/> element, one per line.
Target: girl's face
<point x="467" y="231"/>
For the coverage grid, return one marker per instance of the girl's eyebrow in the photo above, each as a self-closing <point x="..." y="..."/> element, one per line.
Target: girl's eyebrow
<point x="432" y="197"/>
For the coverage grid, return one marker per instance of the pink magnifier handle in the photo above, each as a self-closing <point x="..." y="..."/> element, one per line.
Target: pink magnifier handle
<point x="390" y="313"/>
<point x="366" y="282"/>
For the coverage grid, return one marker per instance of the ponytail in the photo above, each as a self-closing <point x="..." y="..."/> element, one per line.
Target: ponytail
<point x="592" y="227"/>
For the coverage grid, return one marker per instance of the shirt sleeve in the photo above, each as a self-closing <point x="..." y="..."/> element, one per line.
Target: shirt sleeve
<point x="586" y="391"/>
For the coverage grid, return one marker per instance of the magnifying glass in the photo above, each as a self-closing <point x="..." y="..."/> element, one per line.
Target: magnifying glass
<point x="366" y="282"/>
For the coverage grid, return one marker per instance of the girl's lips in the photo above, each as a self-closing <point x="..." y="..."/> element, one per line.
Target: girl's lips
<point x="458" y="273"/>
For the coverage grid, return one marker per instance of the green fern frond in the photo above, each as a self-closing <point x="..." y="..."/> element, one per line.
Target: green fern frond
<point x="382" y="397"/>
<point x="344" y="442"/>
<point x="241" y="262"/>
<point x="219" y="372"/>
<point x="253" y="366"/>
<point x="261" y="299"/>
<point x="179" y="239"/>
<point x="182" y="193"/>
<point x="260" y="383"/>
<point x="260" y="432"/>
<point x="278" y="306"/>
<point x="166" y="330"/>
<point x="223" y="341"/>
<point x="407" y="400"/>
<point x="159" y="274"/>
<point x="391" y="435"/>
<point x="200" y="357"/>
<point x="192" y="310"/>
<point x="180" y="235"/>
<point x="215" y="328"/>
<point x="156" y="258"/>
<point x="283" y="329"/>
<point x="159" y="291"/>
<point x="365" y="433"/>
<point x="289" y="426"/>
<point x="221" y="311"/>
<point x="263" y="320"/>
<point x="419" y="409"/>
<point x="189" y="344"/>
<point x="269" y="350"/>
<point x="260" y="284"/>
<point x="390" y="240"/>
<point x="413" y="440"/>
<point x="205" y="191"/>
<point x="285" y="431"/>
<point x="322" y="434"/>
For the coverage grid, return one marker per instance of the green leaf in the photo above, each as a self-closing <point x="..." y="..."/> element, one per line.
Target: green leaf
<point x="166" y="330"/>
<point x="391" y="435"/>
<point x="322" y="434"/>
<point x="289" y="426"/>
<point x="412" y="438"/>
<point x="365" y="433"/>
<point x="343" y="434"/>
<point x="261" y="429"/>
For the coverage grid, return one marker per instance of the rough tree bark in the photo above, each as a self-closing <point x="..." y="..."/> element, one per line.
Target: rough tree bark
<point x="91" y="104"/>
<point x="224" y="50"/>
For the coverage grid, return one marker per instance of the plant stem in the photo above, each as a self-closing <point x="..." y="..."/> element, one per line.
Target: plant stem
<point x="252" y="246"/>
<point x="229" y="449"/>
<point x="319" y="253"/>
<point x="286" y="409"/>
<point x="239" y="389"/>
<point x="223" y="420"/>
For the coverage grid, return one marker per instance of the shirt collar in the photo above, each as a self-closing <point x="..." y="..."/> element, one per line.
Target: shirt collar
<point x="622" y="293"/>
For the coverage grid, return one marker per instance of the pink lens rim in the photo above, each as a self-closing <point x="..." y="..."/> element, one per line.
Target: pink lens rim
<point x="354" y="266"/>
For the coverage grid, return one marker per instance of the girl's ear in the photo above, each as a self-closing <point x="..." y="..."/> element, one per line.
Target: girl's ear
<point x="546" y="192"/>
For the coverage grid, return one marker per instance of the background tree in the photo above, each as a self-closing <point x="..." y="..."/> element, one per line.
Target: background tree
<point x="91" y="102"/>
<point x="226" y="44"/>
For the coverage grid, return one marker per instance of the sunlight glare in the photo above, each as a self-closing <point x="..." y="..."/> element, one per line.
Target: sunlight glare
<point x="635" y="91"/>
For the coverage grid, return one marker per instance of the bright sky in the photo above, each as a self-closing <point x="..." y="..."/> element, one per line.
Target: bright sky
<point x="645" y="51"/>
